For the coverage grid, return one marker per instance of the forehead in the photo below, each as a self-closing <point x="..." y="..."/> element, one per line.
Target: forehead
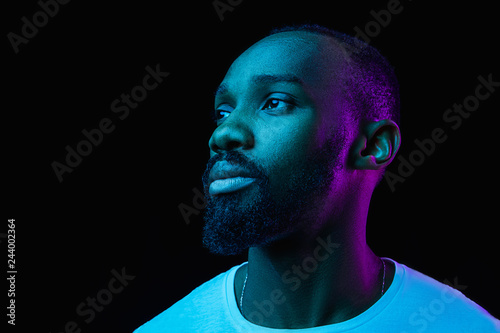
<point x="311" y="58"/>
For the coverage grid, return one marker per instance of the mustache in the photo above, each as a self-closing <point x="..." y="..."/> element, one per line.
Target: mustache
<point x="235" y="158"/>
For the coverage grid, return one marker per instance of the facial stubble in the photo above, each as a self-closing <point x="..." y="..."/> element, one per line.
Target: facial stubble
<point x="250" y="217"/>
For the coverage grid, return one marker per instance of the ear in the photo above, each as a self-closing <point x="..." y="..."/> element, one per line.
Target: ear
<point x="376" y="145"/>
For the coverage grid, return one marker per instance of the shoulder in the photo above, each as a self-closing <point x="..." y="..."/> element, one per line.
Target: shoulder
<point x="194" y="310"/>
<point x="436" y="306"/>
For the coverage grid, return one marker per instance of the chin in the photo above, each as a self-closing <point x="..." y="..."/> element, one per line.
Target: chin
<point x="235" y="222"/>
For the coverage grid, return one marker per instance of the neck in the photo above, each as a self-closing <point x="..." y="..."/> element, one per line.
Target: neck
<point x="310" y="279"/>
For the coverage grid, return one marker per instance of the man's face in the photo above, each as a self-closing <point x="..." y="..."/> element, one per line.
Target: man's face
<point x="279" y="145"/>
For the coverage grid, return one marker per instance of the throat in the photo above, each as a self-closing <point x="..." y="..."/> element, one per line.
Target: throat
<point x="294" y="295"/>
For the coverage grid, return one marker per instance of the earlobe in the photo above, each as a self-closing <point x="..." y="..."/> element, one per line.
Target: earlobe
<point x="376" y="145"/>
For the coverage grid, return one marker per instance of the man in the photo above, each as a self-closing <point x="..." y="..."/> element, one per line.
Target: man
<point x="307" y="121"/>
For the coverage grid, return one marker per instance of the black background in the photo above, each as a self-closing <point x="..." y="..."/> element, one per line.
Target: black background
<point x="119" y="207"/>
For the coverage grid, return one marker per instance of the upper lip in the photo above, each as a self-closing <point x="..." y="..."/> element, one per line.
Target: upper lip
<point x="224" y="169"/>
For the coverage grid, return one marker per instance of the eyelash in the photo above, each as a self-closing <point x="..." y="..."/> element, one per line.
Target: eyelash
<point x="217" y="114"/>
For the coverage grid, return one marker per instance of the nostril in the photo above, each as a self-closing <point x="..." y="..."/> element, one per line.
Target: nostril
<point x="231" y="145"/>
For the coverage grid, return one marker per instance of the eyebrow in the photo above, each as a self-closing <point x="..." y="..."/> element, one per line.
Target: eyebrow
<point x="263" y="78"/>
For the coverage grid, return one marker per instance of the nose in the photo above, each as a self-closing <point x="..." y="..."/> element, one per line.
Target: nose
<point x="234" y="133"/>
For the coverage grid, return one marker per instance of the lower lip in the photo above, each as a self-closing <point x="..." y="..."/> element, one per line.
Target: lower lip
<point x="228" y="185"/>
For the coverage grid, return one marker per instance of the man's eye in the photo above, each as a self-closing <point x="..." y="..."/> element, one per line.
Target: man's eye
<point x="221" y="114"/>
<point x="274" y="103"/>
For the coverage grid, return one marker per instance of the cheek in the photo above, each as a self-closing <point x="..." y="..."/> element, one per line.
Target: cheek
<point x="327" y="125"/>
<point x="285" y="150"/>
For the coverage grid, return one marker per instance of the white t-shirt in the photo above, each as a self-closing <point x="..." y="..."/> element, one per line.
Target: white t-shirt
<point x="413" y="303"/>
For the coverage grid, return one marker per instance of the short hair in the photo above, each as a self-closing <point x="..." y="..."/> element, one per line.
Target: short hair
<point x="369" y="85"/>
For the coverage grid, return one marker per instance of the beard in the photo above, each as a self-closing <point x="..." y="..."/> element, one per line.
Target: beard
<point x="252" y="216"/>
